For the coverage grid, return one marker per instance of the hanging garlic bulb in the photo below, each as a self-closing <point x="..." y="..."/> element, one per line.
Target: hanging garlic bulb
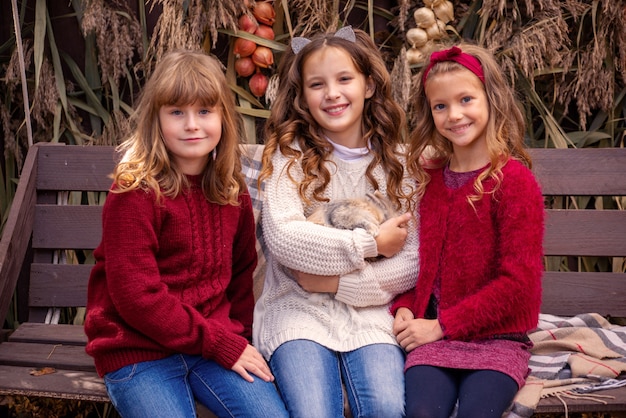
<point x="416" y="37"/>
<point x="414" y="56"/>
<point x="444" y="11"/>
<point x="435" y="31"/>
<point x="431" y="23"/>
<point x="424" y="17"/>
<point x="432" y="3"/>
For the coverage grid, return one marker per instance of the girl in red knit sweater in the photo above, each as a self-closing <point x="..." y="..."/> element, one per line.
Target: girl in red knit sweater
<point x="481" y="228"/>
<point x="170" y="301"/>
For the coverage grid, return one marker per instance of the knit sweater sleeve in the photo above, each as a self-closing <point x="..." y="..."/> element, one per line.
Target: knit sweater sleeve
<point x="513" y="295"/>
<point x="381" y="280"/>
<point x="301" y="245"/>
<point x="304" y="246"/>
<point x="404" y="300"/>
<point x="131" y="228"/>
<point x="239" y="291"/>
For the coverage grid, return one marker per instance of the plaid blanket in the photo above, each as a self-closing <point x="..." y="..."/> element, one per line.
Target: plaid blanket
<point x="251" y="166"/>
<point x="572" y="357"/>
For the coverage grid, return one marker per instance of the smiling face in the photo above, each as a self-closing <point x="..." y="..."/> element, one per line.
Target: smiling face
<point x="335" y="93"/>
<point x="460" y="110"/>
<point x="190" y="133"/>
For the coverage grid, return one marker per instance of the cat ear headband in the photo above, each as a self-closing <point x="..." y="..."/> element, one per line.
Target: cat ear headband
<point x="455" y="54"/>
<point x="299" y="42"/>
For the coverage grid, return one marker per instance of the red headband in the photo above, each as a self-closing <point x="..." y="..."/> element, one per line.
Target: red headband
<point x="455" y="54"/>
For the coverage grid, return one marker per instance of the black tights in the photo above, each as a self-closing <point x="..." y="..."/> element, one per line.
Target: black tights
<point x="432" y="392"/>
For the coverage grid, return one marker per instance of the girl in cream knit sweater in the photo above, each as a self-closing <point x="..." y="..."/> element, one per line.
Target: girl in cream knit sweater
<point x="323" y="317"/>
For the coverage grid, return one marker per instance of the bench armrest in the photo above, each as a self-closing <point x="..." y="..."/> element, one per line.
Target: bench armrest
<point x="17" y="231"/>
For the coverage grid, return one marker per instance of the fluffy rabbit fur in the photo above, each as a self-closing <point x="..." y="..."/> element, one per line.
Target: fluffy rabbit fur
<point x="367" y="213"/>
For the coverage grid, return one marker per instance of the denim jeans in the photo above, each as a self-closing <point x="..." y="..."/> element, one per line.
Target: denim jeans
<point x="169" y="388"/>
<point x="309" y="377"/>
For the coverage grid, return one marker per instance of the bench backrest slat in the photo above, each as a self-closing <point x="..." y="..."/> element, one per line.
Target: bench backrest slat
<point x="573" y="293"/>
<point x="44" y="288"/>
<point x="585" y="233"/>
<point x="580" y="172"/>
<point x="75" y="168"/>
<point x="67" y="226"/>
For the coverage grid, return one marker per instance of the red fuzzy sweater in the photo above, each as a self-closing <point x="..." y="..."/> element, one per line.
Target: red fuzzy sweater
<point x="174" y="277"/>
<point x="489" y="260"/>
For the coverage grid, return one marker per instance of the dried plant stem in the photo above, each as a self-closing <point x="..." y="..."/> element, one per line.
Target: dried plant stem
<point x="20" y="51"/>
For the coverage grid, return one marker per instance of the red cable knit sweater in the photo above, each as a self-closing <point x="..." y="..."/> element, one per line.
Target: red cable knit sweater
<point x="174" y="277"/>
<point x="489" y="260"/>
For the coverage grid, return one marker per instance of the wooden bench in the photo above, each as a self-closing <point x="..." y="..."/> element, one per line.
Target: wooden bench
<point x="42" y="229"/>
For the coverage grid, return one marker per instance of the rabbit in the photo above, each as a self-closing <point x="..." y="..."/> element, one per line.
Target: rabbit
<point x="350" y="213"/>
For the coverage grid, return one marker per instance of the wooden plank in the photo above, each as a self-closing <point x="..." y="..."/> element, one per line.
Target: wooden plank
<point x="67" y="357"/>
<point x="585" y="233"/>
<point x="580" y="172"/>
<point x="67" y="227"/>
<point x="17" y="231"/>
<point x="76" y="167"/>
<point x="64" y="384"/>
<point x="65" y="334"/>
<point x="615" y="402"/>
<point x="572" y="293"/>
<point x="58" y="285"/>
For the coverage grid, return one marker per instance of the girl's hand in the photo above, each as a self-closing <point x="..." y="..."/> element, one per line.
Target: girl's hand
<point x="314" y="283"/>
<point x="252" y="361"/>
<point x="401" y="321"/>
<point x="413" y="333"/>
<point x="392" y="235"/>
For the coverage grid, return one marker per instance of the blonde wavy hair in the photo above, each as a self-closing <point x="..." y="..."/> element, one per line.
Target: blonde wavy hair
<point x="291" y="121"/>
<point x="182" y="78"/>
<point x="505" y="128"/>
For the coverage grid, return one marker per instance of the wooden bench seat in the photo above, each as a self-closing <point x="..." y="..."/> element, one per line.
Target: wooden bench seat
<point x="46" y="249"/>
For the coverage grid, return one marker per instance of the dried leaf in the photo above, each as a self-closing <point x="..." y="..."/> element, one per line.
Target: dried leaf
<point x="43" y="371"/>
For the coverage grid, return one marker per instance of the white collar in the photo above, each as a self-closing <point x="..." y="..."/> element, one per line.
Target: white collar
<point x="348" y="154"/>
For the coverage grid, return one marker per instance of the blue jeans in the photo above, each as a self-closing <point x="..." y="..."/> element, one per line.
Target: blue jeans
<point x="309" y="377"/>
<point x="170" y="387"/>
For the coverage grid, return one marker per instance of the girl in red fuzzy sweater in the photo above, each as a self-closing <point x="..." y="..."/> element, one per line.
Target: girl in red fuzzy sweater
<point x="481" y="228"/>
<point x="170" y="301"/>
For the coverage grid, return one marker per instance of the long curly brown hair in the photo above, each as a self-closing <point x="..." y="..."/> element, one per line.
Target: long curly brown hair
<point x="291" y="123"/>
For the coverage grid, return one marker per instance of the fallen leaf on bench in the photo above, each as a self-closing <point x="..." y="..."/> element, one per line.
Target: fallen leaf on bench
<point x="43" y="371"/>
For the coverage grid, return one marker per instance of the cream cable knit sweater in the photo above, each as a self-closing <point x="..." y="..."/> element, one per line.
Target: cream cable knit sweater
<point x="358" y="314"/>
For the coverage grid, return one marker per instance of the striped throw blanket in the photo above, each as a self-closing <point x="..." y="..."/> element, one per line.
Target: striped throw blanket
<point x="572" y="357"/>
<point x="251" y="167"/>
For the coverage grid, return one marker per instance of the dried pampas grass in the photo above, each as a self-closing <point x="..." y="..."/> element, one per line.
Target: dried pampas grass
<point x="118" y="36"/>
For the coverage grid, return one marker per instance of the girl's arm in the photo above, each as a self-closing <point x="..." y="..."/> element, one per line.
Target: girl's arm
<point x="376" y="284"/>
<point x="303" y="246"/>
<point x="382" y="280"/>
<point x="300" y="245"/>
<point x="391" y="237"/>
<point x="240" y="290"/>
<point x="404" y="300"/>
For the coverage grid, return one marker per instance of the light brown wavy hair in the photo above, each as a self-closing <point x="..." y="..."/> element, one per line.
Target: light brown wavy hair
<point x="182" y="78"/>
<point x="291" y="123"/>
<point x="505" y="128"/>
